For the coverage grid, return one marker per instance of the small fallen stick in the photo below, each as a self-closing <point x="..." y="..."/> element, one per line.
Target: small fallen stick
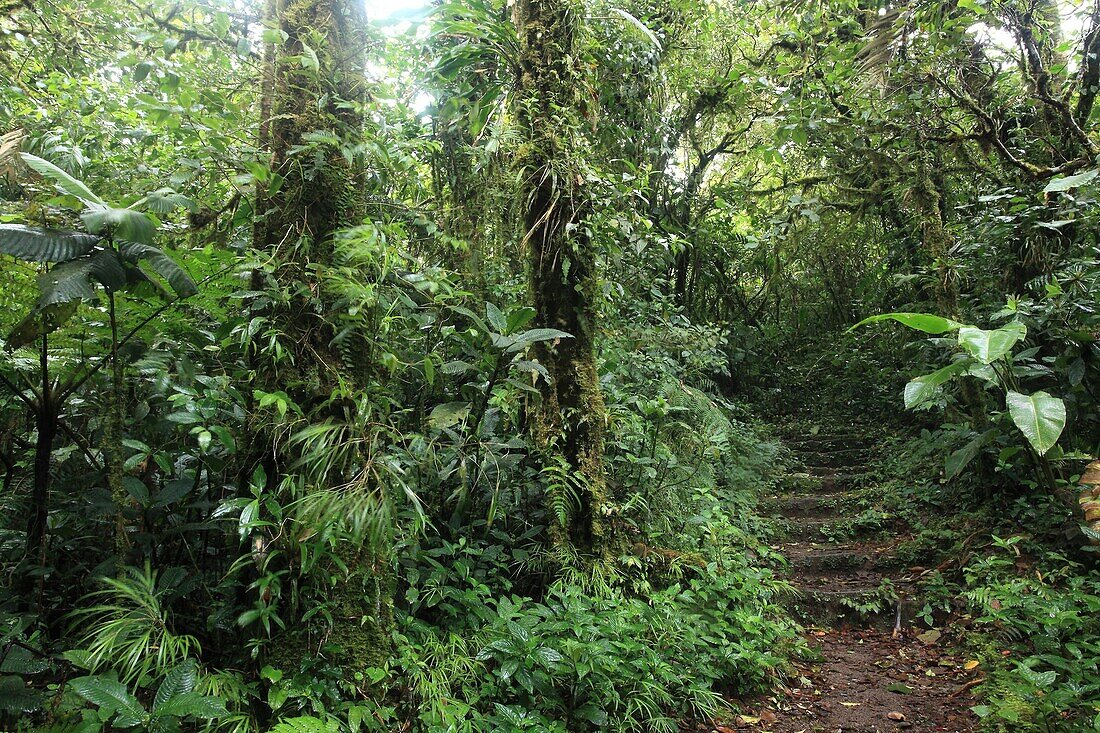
<point x="969" y="685"/>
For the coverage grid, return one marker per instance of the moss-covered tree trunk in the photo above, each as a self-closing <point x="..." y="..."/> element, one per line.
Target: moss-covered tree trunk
<point x="935" y="237"/>
<point x="314" y="86"/>
<point x="570" y="420"/>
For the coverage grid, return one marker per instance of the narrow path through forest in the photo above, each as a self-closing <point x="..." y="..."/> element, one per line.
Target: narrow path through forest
<point x="875" y="668"/>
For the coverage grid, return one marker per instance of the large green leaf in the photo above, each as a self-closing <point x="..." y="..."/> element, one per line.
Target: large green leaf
<point x="642" y="27"/>
<point x="1040" y="417"/>
<point x="38" y="322"/>
<point x="496" y="318"/>
<point x="165" y="201"/>
<point x="44" y="245"/>
<point x="920" y="390"/>
<point x="119" y="223"/>
<point x="448" y="414"/>
<point x="76" y="279"/>
<point x="304" y="724"/>
<point x="926" y="322"/>
<point x="1068" y="182"/>
<point x="110" y="695"/>
<point x="64" y="182"/>
<point x="959" y="460"/>
<point x="988" y="346"/>
<point x="141" y="285"/>
<point x="162" y="264"/>
<point x="180" y="679"/>
<point x="519" y="318"/>
<point x="535" y="335"/>
<point x="16" y="697"/>
<point x="192" y="705"/>
<point x="23" y="661"/>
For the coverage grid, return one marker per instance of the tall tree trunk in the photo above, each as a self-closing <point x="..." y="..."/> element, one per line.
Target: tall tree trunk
<point x="315" y="82"/>
<point x="570" y="419"/>
<point x="935" y="236"/>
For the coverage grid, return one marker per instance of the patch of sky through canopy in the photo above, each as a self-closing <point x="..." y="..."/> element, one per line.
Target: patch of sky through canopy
<point x="387" y="12"/>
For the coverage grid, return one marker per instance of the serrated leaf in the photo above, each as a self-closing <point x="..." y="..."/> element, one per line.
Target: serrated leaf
<point x="176" y="277"/>
<point x="44" y="245"/>
<point x="1040" y="417"/>
<point x="304" y="724"/>
<point x="64" y="182"/>
<point x="532" y="366"/>
<point x="1042" y="680"/>
<point x="988" y="346"/>
<point x="457" y="367"/>
<point x="22" y="661"/>
<point x="926" y="322"/>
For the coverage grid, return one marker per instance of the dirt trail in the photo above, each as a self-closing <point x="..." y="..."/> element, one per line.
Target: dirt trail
<point x="877" y="671"/>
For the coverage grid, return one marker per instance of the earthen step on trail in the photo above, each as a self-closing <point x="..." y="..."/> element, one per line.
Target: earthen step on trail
<point x="834" y="458"/>
<point x="835" y="471"/>
<point x="843" y="579"/>
<point x="816" y="557"/>
<point x="810" y="505"/>
<point x="805" y="433"/>
<point x="801" y="483"/>
<point x="860" y="607"/>
<point x="824" y="529"/>
<point x="808" y="483"/>
<point x="829" y="442"/>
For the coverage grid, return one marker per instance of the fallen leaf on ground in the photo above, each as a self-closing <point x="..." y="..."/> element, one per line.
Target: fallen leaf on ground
<point x="895" y="716"/>
<point x="930" y="637"/>
<point x="972" y="664"/>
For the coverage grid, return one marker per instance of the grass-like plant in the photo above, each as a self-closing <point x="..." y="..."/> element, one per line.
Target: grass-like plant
<point x="128" y="629"/>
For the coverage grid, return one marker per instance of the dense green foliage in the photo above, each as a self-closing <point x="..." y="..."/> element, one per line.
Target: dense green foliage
<point x="418" y="375"/>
